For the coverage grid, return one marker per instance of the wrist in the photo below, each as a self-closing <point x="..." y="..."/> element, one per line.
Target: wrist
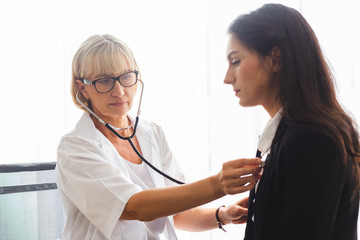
<point x="218" y="188"/>
<point x="223" y="216"/>
<point x="218" y="218"/>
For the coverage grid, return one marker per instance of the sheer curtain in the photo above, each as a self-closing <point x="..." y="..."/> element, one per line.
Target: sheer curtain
<point x="180" y="48"/>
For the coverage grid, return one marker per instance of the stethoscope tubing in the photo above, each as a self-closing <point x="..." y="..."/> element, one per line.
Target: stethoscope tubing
<point x="134" y="125"/>
<point x="139" y="154"/>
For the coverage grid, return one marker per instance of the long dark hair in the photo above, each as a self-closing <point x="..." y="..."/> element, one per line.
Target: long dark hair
<point x="307" y="91"/>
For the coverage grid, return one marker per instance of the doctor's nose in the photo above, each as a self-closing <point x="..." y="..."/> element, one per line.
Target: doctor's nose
<point x="118" y="89"/>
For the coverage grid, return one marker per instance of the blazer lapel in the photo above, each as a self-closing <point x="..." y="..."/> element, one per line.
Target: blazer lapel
<point x="263" y="191"/>
<point x="261" y="198"/>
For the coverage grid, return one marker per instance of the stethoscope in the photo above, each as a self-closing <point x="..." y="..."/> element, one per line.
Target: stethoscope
<point x="134" y="125"/>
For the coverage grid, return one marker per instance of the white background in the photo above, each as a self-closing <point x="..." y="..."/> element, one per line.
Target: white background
<point x="180" y="48"/>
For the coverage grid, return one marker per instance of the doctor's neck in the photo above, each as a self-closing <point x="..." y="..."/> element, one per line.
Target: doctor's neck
<point x="121" y="122"/>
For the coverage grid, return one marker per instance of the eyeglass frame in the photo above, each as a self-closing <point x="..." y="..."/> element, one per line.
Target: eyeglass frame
<point x="88" y="82"/>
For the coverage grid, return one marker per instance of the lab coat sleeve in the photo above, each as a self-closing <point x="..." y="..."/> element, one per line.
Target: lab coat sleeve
<point x="98" y="188"/>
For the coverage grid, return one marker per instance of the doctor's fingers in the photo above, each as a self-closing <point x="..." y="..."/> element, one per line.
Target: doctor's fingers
<point x="233" y="184"/>
<point x="238" y="186"/>
<point x="241" y="220"/>
<point x="229" y="173"/>
<point x="242" y="162"/>
<point x="239" y="180"/>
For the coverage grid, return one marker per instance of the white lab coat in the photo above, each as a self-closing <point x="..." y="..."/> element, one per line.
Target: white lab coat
<point x="95" y="182"/>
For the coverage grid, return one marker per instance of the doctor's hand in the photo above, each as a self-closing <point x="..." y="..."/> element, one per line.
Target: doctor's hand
<point x="236" y="213"/>
<point x="239" y="175"/>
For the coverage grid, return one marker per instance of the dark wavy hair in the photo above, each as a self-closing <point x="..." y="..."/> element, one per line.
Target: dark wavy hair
<point x="307" y="91"/>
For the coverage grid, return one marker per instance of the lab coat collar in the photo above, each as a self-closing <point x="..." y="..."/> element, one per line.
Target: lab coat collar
<point x="86" y="129"/>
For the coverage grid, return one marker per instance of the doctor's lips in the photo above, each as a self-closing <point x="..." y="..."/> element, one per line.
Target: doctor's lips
<point x="236" y="91"/>
<point x="118" y="103"/>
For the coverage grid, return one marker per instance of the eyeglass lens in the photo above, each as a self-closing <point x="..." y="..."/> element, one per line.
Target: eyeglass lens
<point x="107" y="83"/>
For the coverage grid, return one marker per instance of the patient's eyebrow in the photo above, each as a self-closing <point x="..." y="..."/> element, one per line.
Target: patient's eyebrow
<point x="230" y="54"/>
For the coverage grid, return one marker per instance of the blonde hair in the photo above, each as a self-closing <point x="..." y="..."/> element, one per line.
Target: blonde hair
<point x="99" y="55"/>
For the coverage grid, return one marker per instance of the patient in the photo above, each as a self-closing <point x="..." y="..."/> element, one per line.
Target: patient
<point x="310" y="184"/>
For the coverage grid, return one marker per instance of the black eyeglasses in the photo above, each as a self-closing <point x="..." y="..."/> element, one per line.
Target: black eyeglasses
<point x="106" y="84"/>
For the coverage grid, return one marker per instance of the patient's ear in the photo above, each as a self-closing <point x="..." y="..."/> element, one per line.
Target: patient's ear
<point x="81" y="86"/>
<point x="276" y="59"/>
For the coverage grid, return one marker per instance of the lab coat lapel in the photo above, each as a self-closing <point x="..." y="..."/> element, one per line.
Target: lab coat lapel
<point x="149" y="152"/>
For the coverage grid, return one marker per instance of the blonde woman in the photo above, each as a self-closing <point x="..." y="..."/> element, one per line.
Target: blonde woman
<point x="107" y="189"/>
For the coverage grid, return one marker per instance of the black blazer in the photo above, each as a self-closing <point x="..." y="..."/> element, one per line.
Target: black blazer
<point x="304" y="192"/>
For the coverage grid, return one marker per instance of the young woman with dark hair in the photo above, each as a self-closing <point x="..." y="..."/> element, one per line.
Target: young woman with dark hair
<point x="310" y="183"/>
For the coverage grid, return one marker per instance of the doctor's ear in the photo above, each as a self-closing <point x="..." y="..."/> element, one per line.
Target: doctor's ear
<point x="276" y="59"/>
<point x="81" y="86"/>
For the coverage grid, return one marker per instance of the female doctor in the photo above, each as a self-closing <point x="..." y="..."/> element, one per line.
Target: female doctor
<point x="107" y="190"/>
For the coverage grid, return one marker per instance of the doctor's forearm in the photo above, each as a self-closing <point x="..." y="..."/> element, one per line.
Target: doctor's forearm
<point x="154" y="203"/>
<point x="196" y="220"/>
